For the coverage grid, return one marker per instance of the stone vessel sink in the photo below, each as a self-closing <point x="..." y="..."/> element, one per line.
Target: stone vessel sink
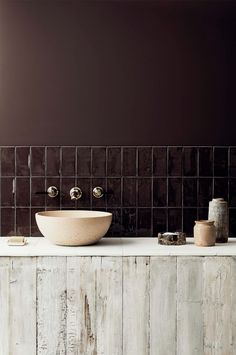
<point x="73" y="228"/>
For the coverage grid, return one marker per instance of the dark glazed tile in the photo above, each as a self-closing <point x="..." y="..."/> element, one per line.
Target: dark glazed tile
<point x="22" y="161"/>
<point x="159" y="161"/>
<point x="202" y="213"/>
<point x="38" y="161"/>
<point x="85" y="200"/>
<point x="190" y="161"/>
<point x="68" y="161"/>
<point x="99" y="162"/>
<point x="129" y="222"/>
<point x="7" y="221"/>
<point x="99" y="202"/>
<point x="205" y="192"/>
<point x="189" y="192"/>
<point x="8" y="161"/>
<point x="175" y="161"/>
<point x="37" y="185"/>
<point x="66" y="186"/>
<point x="84" y="161"/>
<point x="174" y="219"/>
<point x="53" y="161"/>
<point x="205" y="161"/>
<point x="23" y="221"/>
<point x="189" y="218"/>
<point x="144" y="192"/>
<point x="144" y="222"/>
<point x="233" y="162"/>
<point x="114" y="192"/>
<point x="115" y="228"/>
<point x="232" y="192"/>
<point x="159" y="221"/>
<point x="145" y="161"/>
<point x="175" y="192"/>
<point x="232" y="222"/>
<point x="221" y="188"/>
<point x="221" y="162"/>
<point x="34" y="228"/>
<point x="7" y="196"/>
<point x="129" y="192"/>
<point x="113" y="161"/>
<point x="22" y="192"/>
<point x="55" y="201"/>
<point x="159" y="192"/>
<point x="129" y="161"/>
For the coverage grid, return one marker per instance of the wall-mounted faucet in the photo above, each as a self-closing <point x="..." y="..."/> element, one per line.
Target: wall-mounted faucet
<point x="75" y="193"/>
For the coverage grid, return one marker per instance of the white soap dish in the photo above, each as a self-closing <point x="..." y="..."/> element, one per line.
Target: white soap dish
<point x="17" y="241"/>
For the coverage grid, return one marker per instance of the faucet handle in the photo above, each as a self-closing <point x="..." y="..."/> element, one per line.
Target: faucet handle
<point x="98" y="192"/>
<point x="75" y="193"/>
<point x="52" y="192"/>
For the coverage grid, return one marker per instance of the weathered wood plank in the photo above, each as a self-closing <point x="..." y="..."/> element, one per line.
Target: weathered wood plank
<point x="163" y="277"/>
<point x="189" y="305"/>
<point x="4" y="305"/>
<point x="51" y="305"/>
<point x="217" y="298"/>
<point x="136" y="305"/>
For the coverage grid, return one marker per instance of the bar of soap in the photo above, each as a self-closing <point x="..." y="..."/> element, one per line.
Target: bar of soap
<point x="176" y="238"/>
<point x="17" y="241"/>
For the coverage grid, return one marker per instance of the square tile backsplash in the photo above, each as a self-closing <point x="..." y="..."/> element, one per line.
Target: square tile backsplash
<point x="149" y="189"/>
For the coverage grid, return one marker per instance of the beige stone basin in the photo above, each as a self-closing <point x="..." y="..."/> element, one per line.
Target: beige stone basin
<point x="73" y="227"/>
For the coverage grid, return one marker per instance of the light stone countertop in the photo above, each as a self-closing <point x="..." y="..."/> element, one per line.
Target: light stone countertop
<point x="116" y="247"/>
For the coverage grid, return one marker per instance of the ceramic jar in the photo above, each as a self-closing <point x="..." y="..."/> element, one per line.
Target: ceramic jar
<point x="204" y="233"/>
<point x="218" y="212"/>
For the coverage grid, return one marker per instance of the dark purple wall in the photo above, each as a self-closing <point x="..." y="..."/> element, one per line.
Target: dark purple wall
<point x="120" y="73"/>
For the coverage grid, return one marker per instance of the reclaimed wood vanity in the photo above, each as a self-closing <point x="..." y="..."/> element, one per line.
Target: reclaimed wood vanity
<point x="123" y="296"/>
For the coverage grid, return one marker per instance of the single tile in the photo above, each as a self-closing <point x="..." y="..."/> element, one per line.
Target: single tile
<point x="202" y="214"/>
<point x="190" y="161"/>
<point x="204" y="192"/>
<point x="38" y="161"/>
<point x="129" y="222"/>
<point x="221" y="162"/>
<point x="175" y="161"/>
<point x="233" y="162"/>
<point x="205" y="161"/>
<point x="8" y="161"/>
<point x="23" y="221"/>
<point x="53" y="201"/>
<point x="38" y="185"/>
<point x="159" y="161"/>
<point x="66" y="185"/>
<point x="144" y="222"/>
<point x="144" y="161"/>
<point x="68" y="161"/>
<point x="85" y="200"/>
<point x="53" y="161"/>
<point x="232" y="222"/>
<point x="7" y="222"/>
<point x="175" y="192"/>
<point x="99" y="162"/>
<point x="232" y="192"/>
<point x="7" y="195"/>
<point x="129" y="192"/>
<point x="144" y="192"/>
<point x="115" y="228"/>
<point x="174" y="220"/>
<point x="22" y="161"/>
<point x="159" y="221"/>
<point x="189" y="192"/>
<point x="189" y="218"/>
<point x="34" y="228"/>
<point x="114" y="192"/>
<point x="113" y="161"/>
<point x="23" y="192"/>
<point x="84" y="161"/>
<point x="221" y="188"/>
<point x="159" y="192"/>
<point x="99" y="202"/>
<point x="129" y="161"/>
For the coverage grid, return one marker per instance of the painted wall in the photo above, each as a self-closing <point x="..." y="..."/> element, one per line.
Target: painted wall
<point x="117" y="73"/>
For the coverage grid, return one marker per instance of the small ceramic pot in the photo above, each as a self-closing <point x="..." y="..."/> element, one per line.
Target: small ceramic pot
<point x="204" y="233"/>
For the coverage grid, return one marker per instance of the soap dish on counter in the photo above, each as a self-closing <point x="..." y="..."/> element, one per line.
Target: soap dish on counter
<point x="169" y="238"/>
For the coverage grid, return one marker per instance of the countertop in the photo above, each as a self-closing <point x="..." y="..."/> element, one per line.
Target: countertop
<point x="116" y="247"/>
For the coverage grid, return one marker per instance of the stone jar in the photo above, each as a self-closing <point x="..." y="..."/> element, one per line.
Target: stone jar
<point x="204" y="233"/>
<point x="218" y="212"/>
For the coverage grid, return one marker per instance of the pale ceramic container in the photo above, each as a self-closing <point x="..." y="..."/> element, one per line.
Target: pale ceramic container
<point x="204" y="233"/>
<point x="218" y="212"/>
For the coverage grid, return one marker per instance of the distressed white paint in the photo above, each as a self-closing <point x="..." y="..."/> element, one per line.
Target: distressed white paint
<point x="162" y="305"/>
<point x="4" y="306"/>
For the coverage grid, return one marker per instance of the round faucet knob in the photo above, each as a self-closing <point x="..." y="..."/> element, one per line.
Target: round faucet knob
<point x="98" y="192"/>
<point x="75" y="193"/>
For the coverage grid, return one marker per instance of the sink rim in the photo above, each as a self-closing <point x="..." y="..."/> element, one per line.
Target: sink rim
<point x="78" y="214"/>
